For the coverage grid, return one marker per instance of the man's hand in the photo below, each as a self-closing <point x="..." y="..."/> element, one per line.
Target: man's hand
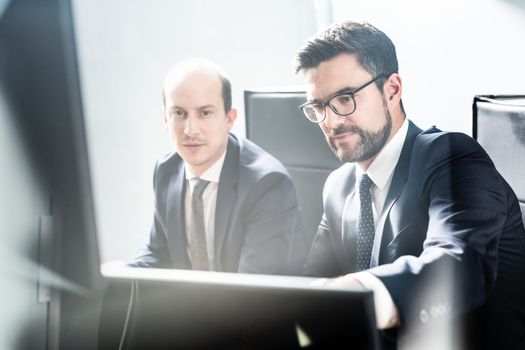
<point x="346" y="281"/>
<point x="111" y="266"/>
<point x="387" y="315"/>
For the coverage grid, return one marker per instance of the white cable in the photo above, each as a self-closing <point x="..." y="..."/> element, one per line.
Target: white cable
<point x="128" y="314"/>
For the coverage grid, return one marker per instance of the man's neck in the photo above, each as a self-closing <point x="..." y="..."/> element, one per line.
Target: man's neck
<point x="211" y="173"/>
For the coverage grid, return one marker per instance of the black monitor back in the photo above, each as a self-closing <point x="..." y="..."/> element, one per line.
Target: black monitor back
<point x="40" y="84"/>
<point x="274" y="122"/>
<point x="176" y="309"/>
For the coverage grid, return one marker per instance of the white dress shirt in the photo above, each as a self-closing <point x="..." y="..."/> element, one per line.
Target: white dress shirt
<point x="209" y="198"/>
<point x="381" y="172"/>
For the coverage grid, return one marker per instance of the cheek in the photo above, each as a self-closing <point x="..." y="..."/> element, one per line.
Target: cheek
<point x="216" y="136"/>
<point x="175" y="132"/>
<point x="324" y="129"/>
<point x="216" y="129"/>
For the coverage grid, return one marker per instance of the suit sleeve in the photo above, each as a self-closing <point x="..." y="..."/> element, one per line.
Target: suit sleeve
<point x="274" y="243"/>
<point x="321" y="261"/>
<point x="466" y="214"/>
<point x="155" y="254"/>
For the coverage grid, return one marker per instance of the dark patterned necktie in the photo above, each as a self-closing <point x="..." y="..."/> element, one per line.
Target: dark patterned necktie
<point x="365" y="224"/>
<point x="198" y="248"/>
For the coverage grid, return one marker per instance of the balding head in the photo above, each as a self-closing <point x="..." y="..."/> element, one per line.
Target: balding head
<point x="204" y="70"/>
<point x="197" y="112"/>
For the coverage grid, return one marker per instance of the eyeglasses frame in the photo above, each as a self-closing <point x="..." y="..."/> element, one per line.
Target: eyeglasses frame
<point x="328" y="102"/>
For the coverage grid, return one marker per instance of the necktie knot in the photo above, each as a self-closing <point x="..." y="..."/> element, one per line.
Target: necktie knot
<point x="199" y="187"/>
<point x="365" y="183"/>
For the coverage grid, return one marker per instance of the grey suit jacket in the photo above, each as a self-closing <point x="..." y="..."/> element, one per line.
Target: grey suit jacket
<point x="450" y="240"/>
<point x="257" y="222"/>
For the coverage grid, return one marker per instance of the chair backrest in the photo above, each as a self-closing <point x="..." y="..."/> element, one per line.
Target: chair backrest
<point x="499" y="126"/>
<point x="274" y="122"/>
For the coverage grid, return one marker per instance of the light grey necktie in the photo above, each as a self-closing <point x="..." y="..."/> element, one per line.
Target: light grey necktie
<point x="365" y="224"/>
<point x="198" y="248"/>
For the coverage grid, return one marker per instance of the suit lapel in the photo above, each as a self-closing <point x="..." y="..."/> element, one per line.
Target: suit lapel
<point x="176" y="227"/>
<point x="396" y="188"/>
<point x="226" y="195"/>
<point x="349" y="225"/>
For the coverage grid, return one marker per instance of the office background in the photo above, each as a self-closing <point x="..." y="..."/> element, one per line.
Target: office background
<point x="448" y="51"/>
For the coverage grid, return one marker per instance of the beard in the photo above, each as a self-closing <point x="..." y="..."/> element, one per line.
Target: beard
<point x="368" y="145"/>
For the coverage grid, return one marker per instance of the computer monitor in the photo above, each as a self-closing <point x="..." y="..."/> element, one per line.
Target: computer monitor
<point x="48" y="223"/>
<point x="41" y="82"/>
<point x="172" y="309"/>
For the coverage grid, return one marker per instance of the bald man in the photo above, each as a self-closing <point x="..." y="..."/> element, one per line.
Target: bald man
<point x="221" y="202"/>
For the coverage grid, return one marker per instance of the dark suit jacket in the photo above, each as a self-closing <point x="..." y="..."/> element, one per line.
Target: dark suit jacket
<point x="450" y="240"/>
<point x="256" y="221"/>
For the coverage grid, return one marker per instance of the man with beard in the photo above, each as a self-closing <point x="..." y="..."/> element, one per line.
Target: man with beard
<point x="221" y="202"/>
<point x="422" y="218"/>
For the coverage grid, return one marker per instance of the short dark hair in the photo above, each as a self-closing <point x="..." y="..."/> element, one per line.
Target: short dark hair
<point x="225" y="81"/>
<point x="226" y="92"/>
<point x="373" y="49"/>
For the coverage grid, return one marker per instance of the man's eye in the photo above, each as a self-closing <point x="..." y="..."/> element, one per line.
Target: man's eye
<point x="344" y="99"/>
<point x="206" y="113"/>
<point x="318" y="107"/>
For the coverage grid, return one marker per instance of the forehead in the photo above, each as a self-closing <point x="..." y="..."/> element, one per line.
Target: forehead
<point x="193" y="89"/>
<point x="340" y="72"/>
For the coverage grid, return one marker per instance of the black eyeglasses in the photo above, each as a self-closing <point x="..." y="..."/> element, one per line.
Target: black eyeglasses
<point x="342" y="104"/>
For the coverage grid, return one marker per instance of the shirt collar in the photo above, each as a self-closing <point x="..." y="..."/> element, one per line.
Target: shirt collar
<point x="384" y="164"/>
<point x="212" y="174"/>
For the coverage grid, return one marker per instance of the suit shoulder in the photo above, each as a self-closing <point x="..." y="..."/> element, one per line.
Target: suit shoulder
<point x="255" y="160"/>
<point x="434" y="137"/>
<point x="168" y="160"/>
<point x="167" y="165"/>
<point x="435" y="147"/>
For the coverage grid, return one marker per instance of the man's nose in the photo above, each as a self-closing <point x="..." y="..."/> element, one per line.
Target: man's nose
<point x="332" y="120"/>
<point x="191" y="126"/>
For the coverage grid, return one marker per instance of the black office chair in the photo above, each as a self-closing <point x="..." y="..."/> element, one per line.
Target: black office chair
<point x="274" y="122"/>
<point x="499" y="126"/>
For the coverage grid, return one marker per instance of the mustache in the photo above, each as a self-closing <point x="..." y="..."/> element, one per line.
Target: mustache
<point x="345" y="129"/>
<point x="187" y="139"/>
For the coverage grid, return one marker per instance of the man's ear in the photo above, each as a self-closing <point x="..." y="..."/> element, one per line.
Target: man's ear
<point x="392" y="89"/>
<point x="165" y="118"/>
<point x="231" y="116"/>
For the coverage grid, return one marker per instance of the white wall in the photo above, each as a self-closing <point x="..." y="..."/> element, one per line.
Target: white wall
<point x="126" y="47"/>
<point x="449" y="51"/>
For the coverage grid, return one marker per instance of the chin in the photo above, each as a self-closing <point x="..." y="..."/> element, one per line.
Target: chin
<point x="344" y="154"/>
<point x="349" y="157"/>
